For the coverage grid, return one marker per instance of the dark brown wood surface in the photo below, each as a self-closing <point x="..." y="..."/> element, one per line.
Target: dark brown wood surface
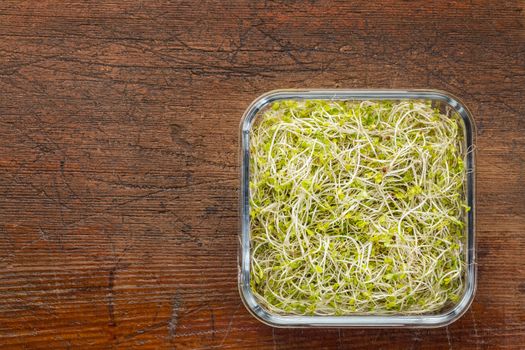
<point x="119" y="172"/>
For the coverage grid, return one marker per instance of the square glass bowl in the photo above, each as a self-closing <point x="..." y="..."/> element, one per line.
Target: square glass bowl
<point x="443" y="102"/>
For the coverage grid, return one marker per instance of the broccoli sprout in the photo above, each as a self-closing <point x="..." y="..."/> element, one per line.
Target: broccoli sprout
<point x="357" y="207"/>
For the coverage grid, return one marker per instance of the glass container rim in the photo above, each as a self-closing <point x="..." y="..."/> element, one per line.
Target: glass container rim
<point x="412" y="321"/>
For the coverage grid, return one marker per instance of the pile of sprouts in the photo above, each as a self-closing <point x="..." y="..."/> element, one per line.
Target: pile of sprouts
<point x="357" y="207"/>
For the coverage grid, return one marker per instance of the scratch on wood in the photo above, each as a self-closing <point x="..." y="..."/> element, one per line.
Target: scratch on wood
<point x="43" y="234"/>
<point x="111" y="305"/>
<point x="475" y="325"/>
<point x="229" y="326"/>
<point x="206" y="332"/>
<point x="448" y="338"/>
<point x="144" y="330"/>
<point x="174" y="319"/>
<point x="212" y="315"/>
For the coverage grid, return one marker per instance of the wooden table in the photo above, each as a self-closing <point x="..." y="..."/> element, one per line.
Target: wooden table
<point x="119" y="172"/>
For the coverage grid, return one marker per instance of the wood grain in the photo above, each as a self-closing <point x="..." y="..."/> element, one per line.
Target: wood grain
<point x="119" y="172"/>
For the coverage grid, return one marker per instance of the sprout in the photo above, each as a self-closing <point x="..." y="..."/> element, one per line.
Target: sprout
<point x="357" y="207"/>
